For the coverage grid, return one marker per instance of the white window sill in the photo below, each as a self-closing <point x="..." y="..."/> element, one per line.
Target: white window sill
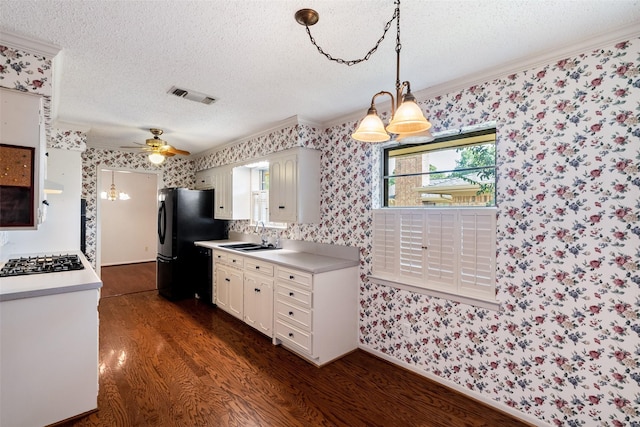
<point x="489" y="304"/>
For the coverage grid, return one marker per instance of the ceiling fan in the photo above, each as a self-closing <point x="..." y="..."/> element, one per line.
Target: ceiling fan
<point x="157" y="148"/>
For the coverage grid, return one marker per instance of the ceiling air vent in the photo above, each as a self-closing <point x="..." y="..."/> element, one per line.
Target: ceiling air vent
<point x="192" y="95"/>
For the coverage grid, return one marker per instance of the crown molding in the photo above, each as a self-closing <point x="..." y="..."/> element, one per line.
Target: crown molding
<point x="288" y="122"/>
<point x="519" y="65"/>
<point x="28" y="44"/>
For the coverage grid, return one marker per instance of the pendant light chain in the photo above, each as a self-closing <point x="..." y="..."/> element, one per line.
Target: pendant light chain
<point x="396" y="15"/>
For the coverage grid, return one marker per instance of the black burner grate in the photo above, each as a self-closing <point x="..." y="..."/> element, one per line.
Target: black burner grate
<point x="41" y="264"/>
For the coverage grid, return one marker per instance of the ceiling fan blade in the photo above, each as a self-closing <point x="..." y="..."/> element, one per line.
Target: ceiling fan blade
<point x="168" y="149"/>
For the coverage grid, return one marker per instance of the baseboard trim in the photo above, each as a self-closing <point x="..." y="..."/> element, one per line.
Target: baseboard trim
<point x="457" y="388"/>
<point x="112" y="264"/>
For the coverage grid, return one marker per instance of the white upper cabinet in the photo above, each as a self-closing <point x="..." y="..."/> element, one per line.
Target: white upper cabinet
<point x="232" y="192"/>
<point x="22" y="159"/>
<point x="205" y="179"/>
<point x="294" y="186"/>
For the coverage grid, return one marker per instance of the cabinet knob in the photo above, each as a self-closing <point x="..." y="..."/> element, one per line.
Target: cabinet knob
<point x="280" y="207"/>
<point x="291" y="313"/>
<point x="290" y="294"/>
<point x="256" y="289"/>
<point x="220" y="207"/>
<point x="227" y="279"/>
<point x="257" y="267"/>
<point x="291" y="334"/>
<point x="233" y="260"/>
<point x="291" y="277"/>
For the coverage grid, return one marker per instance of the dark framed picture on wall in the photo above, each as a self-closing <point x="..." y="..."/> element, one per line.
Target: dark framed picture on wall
<point x="16" y="186"/>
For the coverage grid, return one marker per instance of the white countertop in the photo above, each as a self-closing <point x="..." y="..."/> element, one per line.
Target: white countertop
<point x="304" y="261"/>
<point x="36" y="285"/>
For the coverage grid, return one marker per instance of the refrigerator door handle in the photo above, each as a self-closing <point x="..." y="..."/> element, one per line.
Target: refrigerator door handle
<point x="162" y="222"/>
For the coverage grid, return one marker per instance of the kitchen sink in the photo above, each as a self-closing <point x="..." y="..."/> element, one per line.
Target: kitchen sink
<point x="248" y="247"/>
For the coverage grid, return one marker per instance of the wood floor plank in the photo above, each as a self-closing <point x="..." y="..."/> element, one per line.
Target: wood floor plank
<point x="189" y="364"/>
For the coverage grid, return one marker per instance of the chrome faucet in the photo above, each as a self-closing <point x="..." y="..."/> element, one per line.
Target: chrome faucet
<point x="263" y="238"/>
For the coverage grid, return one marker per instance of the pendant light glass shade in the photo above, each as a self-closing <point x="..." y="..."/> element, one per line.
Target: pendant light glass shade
<point x="408" y="117"/>
<point x="371" y="129"/>
<point x="156" y="158"/>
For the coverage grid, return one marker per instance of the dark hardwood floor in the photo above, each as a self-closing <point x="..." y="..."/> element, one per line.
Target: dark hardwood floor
<point x="127" y="278"/>
<point x="189" y="364"/>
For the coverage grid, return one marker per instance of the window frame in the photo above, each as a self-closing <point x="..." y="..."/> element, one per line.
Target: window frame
<point x="440" y="142"/>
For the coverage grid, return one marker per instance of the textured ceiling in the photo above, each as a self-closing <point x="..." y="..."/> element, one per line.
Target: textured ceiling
<point x="119" y="58"/>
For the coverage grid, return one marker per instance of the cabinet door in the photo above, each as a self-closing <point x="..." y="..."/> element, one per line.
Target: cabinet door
<point x="22" y="150"/>
<point x="222" y="194"/>
<point x="251" y="288"/>
<point x="264" y="312"/>
<point x="283" y="189"/>
<point x="258" y="302"/>
<point x="236" y="292"/>
<point x="222" y="287"/>
<point x="204" y="180"/>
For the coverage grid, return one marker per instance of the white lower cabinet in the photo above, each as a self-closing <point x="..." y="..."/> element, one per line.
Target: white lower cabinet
<point x="258" y="302"/>
<point x="316" y="314"/>
<point x="229" y="283"/>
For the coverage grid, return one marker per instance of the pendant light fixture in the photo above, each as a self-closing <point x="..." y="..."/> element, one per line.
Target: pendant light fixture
<point x="407" y="121"/>
<point x="113" y="194"/>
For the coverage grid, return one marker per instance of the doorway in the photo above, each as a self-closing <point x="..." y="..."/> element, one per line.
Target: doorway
<point x="127" y="211"/>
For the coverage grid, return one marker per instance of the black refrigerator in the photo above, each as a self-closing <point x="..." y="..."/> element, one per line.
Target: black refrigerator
<point x="185" y="216"/>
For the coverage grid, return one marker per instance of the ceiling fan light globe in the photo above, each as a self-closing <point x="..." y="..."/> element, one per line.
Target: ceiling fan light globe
<point x="408" y="119"/>
<point x="156" y="158"/>
<point x="371" y="129"/>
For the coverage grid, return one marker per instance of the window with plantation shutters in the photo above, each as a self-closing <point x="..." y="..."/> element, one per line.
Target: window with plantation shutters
<point x="443" y="252"/>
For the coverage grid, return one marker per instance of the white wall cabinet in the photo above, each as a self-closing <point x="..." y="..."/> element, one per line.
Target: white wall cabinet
<point x="316" y="314"/>
<point x="23" y="149"/>
<point x="294" y="186"/>
<point x="205" y="179"/>
<point x="232" y="191"/>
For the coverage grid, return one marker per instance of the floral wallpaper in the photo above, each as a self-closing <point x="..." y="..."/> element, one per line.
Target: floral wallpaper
<point x="565" y="347"/>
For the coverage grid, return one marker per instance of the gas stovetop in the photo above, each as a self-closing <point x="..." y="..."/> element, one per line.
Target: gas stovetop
<point x="41" y="264"/>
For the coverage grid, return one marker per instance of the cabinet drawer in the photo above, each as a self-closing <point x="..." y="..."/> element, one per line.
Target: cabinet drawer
<point x="293" y="337"/>
<point x="298" y="277"/>
<point x="293" y="295"/>
<point x="294" y="315"/>
<point x="265" y="268"/>
<point x="219" y="256"/>
<point x="235" y="261"/>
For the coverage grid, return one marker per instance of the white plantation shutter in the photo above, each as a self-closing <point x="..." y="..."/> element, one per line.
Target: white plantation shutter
<point x="477" y="252"/>
<point x="441" y="249"/>
<point x="384" y="242"/>
<point x="445" y="250"/>
<point x="411" y="256"/>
